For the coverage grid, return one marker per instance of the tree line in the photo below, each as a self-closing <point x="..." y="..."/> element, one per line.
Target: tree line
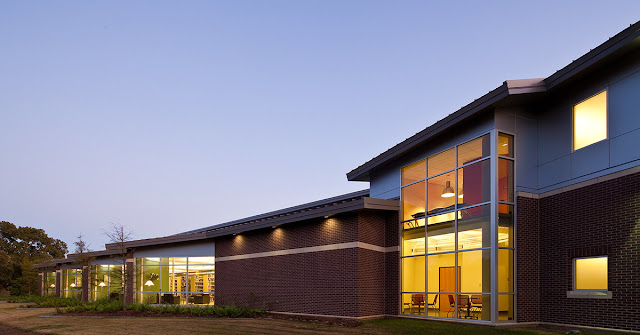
<point x="20" y="249"/>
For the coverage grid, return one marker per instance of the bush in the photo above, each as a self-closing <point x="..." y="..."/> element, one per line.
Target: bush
<point x="42" y="302"/>
<point x="106" y="306"/>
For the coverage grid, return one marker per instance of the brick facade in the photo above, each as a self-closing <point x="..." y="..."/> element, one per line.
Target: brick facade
<point x="601" y="219"/>
<point x="344" y="282"/>
<point x="528" y="260"/>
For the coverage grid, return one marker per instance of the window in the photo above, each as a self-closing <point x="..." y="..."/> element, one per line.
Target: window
<point x="590" y="273"/>
<point x="175" y="280"/>
<point x="590" y="121"/>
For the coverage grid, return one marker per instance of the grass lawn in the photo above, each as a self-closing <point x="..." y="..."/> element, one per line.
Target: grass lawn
<point x="15" y="321"/>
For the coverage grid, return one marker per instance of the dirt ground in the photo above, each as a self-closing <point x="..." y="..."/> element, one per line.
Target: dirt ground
<point x="19" y="321"/>
<point x="44" y="320"/>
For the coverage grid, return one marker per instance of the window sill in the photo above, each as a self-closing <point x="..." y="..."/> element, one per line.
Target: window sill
<point x="590" y="294"/>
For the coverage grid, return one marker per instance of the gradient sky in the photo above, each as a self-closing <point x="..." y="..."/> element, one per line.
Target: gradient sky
<point x="166" y="116"/>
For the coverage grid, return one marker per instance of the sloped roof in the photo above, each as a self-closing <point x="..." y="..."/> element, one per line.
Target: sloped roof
<point x="508" y="88"/>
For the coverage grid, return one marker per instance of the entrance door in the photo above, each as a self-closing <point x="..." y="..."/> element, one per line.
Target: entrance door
<point x="447" y="284"/>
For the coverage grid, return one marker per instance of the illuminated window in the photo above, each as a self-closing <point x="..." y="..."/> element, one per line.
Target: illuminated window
<point x="590" y="121"/>
<point x="590" y="273"/>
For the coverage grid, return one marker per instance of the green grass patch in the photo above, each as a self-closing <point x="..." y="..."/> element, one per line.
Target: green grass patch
<point x="409" y="326"/>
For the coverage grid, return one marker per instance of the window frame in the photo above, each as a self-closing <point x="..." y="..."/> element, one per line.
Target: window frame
<point x="573" y="119"/>
<point x="573" y="262"/>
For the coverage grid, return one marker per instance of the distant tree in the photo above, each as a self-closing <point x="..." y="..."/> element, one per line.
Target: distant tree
<point x="25" y="246"/>
<point x="83" y="257"/>
<point x="119" y="235"/>
<point x="6" y="269"/>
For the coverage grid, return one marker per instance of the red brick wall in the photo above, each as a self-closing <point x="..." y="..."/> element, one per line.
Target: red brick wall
<point x="345" y="282"/>
<point x="309" y="233"/>
<point x="528" y="260"/>
<point x="600" y="219"/>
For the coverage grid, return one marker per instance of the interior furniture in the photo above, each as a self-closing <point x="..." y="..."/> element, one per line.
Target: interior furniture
<point x="433" y="305"/>
<point x="416" y="300"/>
<point x="476" y="303"/>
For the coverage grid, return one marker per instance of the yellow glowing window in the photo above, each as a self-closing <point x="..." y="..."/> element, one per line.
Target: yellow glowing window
<point x="591" y="273"/>
<point x="590" y="121"/>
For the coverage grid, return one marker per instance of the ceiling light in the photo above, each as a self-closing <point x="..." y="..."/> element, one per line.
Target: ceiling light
<point x="448" y="191"/>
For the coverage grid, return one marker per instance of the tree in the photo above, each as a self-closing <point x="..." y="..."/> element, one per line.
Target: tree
<point x="82" y="258"/>
<point x="24" y="247"/>
<point x="119" y="235"/>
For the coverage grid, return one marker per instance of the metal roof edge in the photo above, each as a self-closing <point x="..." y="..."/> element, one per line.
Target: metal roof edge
<point x="511" y="87"/>
<point x="594" y="55"/>
<point x="477" y="105"/>
<point x="282" y="211"/>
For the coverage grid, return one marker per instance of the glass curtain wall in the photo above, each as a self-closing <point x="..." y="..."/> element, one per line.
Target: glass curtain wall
<point x="72" y="283"/>
<point x="447" y="229"/>
<point x="106" y="282"/>
<point x="175" y="280"/>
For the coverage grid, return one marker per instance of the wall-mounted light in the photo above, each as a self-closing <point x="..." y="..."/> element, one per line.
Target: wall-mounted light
<point x="276" y="226"/>
<point x="52" y="285"/>
<point x="72" y="285"/>
<point x="148" y="283"/>
<point x="326" y="216"/>
<point x="448" y="192"/>
<point x="102" y="284"/>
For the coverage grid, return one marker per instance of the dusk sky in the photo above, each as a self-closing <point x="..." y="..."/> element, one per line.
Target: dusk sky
<point x="167" y="116"/>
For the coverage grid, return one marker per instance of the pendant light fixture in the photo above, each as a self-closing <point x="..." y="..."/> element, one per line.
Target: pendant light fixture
<point x="448" y="192"/>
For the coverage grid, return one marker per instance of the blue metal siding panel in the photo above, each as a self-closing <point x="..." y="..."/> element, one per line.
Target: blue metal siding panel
<point x="624" y="105"/>
<point x="554" y="133"/>
<point x="625" y="148"/>
<point x="589" y="159"/>
<point x="526" y="152"/>
<point x="554" y="172"/>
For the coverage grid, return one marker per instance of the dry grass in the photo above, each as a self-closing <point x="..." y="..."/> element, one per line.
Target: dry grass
<point x="33" y="320"/>
<point x="15" y="321"/>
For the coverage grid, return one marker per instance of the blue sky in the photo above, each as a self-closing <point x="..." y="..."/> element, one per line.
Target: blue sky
<point x="167" y="116"/>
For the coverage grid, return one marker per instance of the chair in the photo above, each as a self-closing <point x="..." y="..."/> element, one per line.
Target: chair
<point x="416" y="300"/>
<point x="476" y="303"/>
<point x="452" y="304"/>
<point x="433" y="304"/>
<point x="463" y="304"/>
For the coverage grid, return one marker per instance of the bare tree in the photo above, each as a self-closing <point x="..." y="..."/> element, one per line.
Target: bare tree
<point x="119" y="235"/>
<point x="82" y="255"/>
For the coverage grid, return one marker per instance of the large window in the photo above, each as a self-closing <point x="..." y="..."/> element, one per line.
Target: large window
<point x="590" y="121"/>
<point x="49" y="283"/>
<point x="106" y="281"/>
<point x="590" y="273"/>
<point x="71" y="283"/>
<point x="447" y="231"/>
<point x="175" y="280"/>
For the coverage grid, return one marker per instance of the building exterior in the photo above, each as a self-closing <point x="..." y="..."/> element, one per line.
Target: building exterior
<point x="523" y="206"/>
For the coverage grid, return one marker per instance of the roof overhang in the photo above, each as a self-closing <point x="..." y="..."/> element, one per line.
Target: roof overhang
<point x="624" y="39"/>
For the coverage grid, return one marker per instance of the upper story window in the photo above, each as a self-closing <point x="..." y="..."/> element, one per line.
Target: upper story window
<point x="590" y="121"/>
